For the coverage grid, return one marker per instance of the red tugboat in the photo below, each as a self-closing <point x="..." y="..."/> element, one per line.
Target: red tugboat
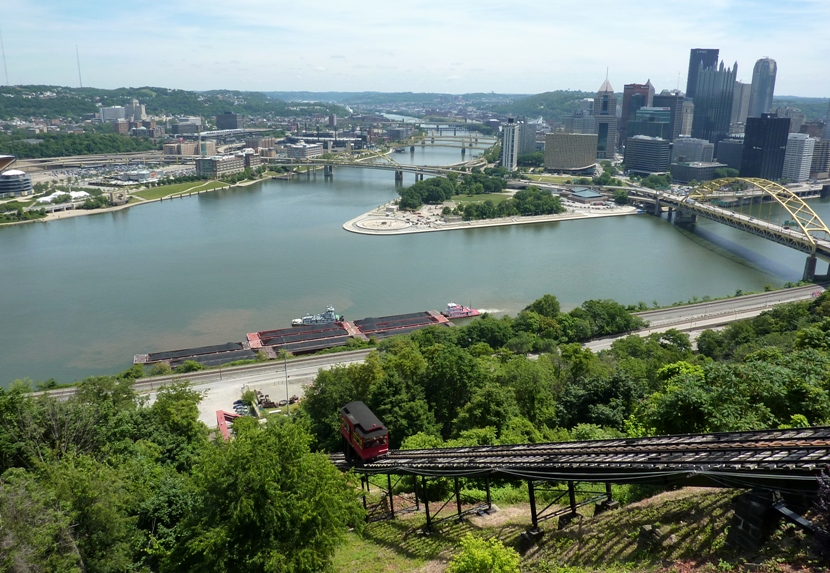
<point x="459" y="311"/>
<point x="363" y="434"/>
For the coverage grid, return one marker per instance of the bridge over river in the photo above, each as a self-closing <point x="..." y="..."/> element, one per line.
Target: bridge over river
<point x="803" y="230"/>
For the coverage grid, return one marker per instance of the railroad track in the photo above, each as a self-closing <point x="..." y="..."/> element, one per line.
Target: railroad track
<point x="771" y="458"/>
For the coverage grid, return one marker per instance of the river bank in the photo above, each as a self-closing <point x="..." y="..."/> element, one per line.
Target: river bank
<point x="379" y="221"/>
<point x="79" y="212"/>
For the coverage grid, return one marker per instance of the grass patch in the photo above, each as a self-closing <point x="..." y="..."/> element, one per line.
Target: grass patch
<point x="694" y="523"/>
<point x="496" y="198"/>
<point x="178" y="188"/>
<point x="550" y="178"/>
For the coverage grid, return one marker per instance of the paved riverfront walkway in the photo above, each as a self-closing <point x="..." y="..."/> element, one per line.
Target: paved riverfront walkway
<point x="381" y="222"/>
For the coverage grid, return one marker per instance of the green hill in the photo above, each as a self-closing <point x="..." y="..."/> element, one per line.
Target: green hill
<point x="56" y="101"/>
<point x="550" y="105"/>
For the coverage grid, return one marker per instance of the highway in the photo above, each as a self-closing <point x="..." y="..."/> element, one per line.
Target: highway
<point x="695" y="318"/>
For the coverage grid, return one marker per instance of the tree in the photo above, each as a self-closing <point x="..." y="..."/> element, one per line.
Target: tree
<point x="545" y="306"/>
<point x="264" y="502"/>
<point x="484" y="556"/>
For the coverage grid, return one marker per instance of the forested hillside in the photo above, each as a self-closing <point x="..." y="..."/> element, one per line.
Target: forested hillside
<point x="550" y="105"/>
<point x="56" y="101"/>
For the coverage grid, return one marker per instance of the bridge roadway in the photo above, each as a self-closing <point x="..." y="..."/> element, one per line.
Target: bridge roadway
<point x="787" y="460"/>
<point x="815" y="247"/>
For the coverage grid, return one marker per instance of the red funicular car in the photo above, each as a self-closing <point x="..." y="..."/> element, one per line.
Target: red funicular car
<point x="364" y="434"/>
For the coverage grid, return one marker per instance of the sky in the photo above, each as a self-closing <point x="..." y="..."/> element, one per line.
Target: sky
<point x="460" y="46"/>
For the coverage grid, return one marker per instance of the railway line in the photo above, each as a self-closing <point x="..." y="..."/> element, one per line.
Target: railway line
<point x="772" y="459"/>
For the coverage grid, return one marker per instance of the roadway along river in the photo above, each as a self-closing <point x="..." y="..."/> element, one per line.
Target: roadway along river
<point x="82" y="296"/>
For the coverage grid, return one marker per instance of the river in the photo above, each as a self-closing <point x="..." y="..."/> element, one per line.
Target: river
<point x="81" y="296"/>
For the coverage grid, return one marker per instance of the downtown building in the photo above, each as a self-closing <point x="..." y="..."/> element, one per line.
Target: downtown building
<point x="763" y="87"/>
<point x="691" y="150"/>
<point x="675" y="101"/>
<point x="635" y="96"/>
<point x="511" y="139"/>
<point x="605" y="114"/>
<point x="731" y="150"/>
<point x="765" y="145"/>
<point x="573" y="153"/>
<point x="798" y="157"/>
<point x="820" y="166"/>
<point x="647" y="155"/>
<point x="713" y="103"/>
<point x="699" y="59"/>
<point x="653" y="122"/>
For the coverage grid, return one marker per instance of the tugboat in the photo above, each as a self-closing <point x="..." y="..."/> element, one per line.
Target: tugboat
<point x="459" y="311"/>
<point x="327" y="317"/>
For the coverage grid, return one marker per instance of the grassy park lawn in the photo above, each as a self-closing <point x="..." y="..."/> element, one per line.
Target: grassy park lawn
<point x="178" y="188"/>
<point x="496" y="198"/>
<point x="550" y="178"/>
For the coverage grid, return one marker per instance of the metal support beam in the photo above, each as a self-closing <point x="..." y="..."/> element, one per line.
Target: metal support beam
<point x="391" y="497"/>
<point x="458" y="499"/>
<point x="364" y="487"/>
<point x="428" y="527"/>
<point x="531" y="494"/>
<point x="572" y="497"/>
<point x="487" y="487"/>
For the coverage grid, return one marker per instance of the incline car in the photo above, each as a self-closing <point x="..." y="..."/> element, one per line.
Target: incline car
<point x="364" y="435"/>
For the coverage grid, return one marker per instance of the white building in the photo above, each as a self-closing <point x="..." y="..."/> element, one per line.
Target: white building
<point x="798" y="157"/>
<point x="510" y="145"/>
<point x="304" y="150"/>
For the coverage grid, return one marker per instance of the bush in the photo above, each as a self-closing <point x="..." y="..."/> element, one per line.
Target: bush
<point x="484" y="556"/>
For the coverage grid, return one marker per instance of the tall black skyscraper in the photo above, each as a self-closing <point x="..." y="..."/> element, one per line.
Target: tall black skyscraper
<point x="765" y="144"/>
<point x="763" y="86"/>
<point x="708" y="57"/>
<point x="713" y="103"/>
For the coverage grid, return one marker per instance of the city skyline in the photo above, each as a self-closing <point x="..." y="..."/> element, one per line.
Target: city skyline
<point x="421" y="47"/>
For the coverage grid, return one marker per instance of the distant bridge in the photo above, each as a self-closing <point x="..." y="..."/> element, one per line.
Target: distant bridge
<point x="803" y="230"/>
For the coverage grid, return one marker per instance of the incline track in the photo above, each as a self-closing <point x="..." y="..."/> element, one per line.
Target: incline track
<point x="778" y="459"/>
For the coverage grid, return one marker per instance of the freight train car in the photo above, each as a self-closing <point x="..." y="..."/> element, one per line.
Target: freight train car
<point x="363" y="434"/>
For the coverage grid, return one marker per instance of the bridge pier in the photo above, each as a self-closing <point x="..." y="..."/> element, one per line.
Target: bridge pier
<point x="328" y="170"/>
<point x="658" y="210"/>
<point x="685" y="217"/>
<point x="810" y="268"/>
<point x="398" y="176"/>
<point x="412" y="148"/>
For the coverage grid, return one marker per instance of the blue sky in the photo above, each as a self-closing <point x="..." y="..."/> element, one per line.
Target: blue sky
<point x="415" y="45"/>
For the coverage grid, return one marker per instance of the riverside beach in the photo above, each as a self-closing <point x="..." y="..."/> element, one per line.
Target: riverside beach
<point x="388" y="220"/>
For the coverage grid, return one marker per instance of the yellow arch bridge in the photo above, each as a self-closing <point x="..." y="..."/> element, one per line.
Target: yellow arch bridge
<point x="803" y="229"/>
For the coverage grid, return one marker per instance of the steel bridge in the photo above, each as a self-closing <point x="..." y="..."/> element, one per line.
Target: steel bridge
<point x="781" y="461"/>
<point x="803" y="231"/>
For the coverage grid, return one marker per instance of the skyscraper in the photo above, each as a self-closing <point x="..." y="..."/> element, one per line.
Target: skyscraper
<point x="713" y="103"/>
<point x="635" y="96"/>
<point x="672" y="99"/>
<point x="740" y="103"/>
<point x="705" y="57"/>
<point x="765" y="145"/>
<point x="763" y="86"/>
<point x="605" y="113"/>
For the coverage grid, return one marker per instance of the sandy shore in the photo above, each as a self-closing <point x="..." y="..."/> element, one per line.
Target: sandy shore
<point x="379" y="222"/>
